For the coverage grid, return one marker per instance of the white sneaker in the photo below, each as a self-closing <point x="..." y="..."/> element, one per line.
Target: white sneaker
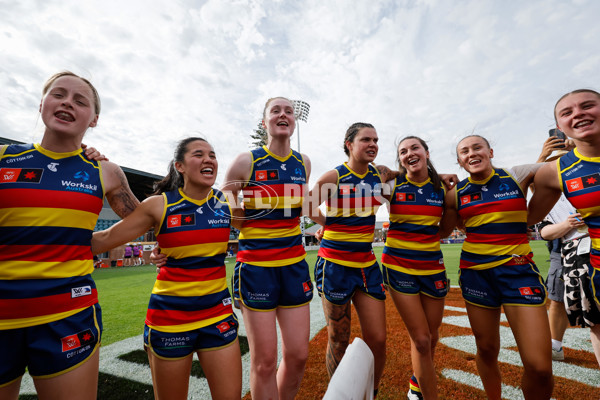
<point x="558" y="355"/>
<point x="412" y="395"/>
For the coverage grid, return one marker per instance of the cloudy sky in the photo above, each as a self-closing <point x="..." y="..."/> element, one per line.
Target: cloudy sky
<point x="166" y="70"/>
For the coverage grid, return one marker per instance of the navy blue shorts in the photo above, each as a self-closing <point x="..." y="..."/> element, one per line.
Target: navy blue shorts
<point x="435" y="285"/>
<point x="266" y="288"/>
<point x="520" y="285"/>
<point x="50" y="349"/>
<point x="339" y="282"/>
<point x="176" y="345"/>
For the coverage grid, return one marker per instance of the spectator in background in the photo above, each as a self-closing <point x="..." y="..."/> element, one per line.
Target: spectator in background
<point x="135" y="258"/>
<point x="127" y="256"/>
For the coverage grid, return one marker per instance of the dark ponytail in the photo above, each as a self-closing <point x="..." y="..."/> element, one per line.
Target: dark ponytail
<point x="174" y="180"/>
<point x="431" y="171"/>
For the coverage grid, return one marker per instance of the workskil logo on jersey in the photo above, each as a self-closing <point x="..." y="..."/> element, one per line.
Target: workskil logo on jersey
<point x="30" y="175"/>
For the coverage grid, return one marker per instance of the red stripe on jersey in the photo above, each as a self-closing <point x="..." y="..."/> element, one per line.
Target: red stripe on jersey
<point x="50" y="198"/>
<point x="193" y="237"/>
<point x="413" y="237"/>
<point x="360" y="257"/>
<point x="278" y="190"/>
<point x="45" y="305"/>
<point x="367" y="229"/>
<point x="353" y="203"/>
<point x="176" y="317"/>
<point x="587" y="200"/>
<point x="249" y="256"/>
<point x="272" y="223"/>
<point x="595" y="260"/>
<point x="424" y="265"/>
<point x="406" y="208"/>
<point x="499" y="205"/>
<point x="44" y="253"/>
<point x="498" y="239"/>
<point x="191" y="275"/>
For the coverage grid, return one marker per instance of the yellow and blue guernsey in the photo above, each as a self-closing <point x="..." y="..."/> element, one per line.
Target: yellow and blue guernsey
<point x="350" y="218"/>
<point x="270" y="235"/>
<point x="49" y="205"/>
<point x="191" y="289"/>
<point x="580" y="182"/>
<point x="494" y="212"/>
<point x="412" y="245"/>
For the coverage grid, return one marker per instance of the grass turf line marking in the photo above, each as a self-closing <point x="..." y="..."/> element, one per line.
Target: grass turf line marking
<point x="472" y="380"/>
<point x="587" y="376"/>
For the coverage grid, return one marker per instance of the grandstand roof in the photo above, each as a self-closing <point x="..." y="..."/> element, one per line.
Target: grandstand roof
<point x="140" y="182"/>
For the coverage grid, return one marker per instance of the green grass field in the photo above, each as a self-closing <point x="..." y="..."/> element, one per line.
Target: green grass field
<point x="124" y="292"/>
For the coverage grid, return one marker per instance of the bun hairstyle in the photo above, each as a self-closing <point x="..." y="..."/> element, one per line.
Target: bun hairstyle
<point x="351" y="133"/>
<point x="174" y="180"/>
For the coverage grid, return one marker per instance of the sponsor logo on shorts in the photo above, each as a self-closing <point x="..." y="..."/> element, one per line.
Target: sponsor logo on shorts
<point x="81" y="291"/>
<point x="77" y="340"/>
<point x="175" y="341"/>
<point x="29" y="175"/>
<point x="307" y="286"/>
<point x="528" y="291"/>
<point x="440" y="284"/>
<point x="227" y="301"/>
<point x="227" y="328"/>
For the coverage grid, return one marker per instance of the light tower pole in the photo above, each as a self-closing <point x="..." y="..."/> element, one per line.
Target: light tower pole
<point x="301" y="110"/>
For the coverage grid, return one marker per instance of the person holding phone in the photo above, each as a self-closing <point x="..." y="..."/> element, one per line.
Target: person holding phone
<point x="576" y="176"/>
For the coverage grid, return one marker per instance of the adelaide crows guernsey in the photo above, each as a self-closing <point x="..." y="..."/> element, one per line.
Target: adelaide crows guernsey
<point x="270" y="235"/>
<point x="494" y="212"/>
<point x="412" y="245"/>
<point x="49" y="205"/>
<point x="350" y="218"/>
<point x="190" y="291"/>
<point x="579" y="178"/>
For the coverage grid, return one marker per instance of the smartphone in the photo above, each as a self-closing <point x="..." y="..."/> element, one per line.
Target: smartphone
<point x="559" y="134"/>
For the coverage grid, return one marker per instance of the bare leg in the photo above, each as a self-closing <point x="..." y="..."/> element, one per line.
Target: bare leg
<point x="80" y="383"/>
<point x="262" y="339"/>
<point x="422" y="316"/>
<point x="170" y="378"/>
<point x="371" y="314"/>
<point x="294" y="324"/>
<point x="485" y="323"/>
<point x="11" y="392"/>
<point x="595" y="336"/>
<point x="338" y="331"/>
<point x="558" y="320"/>
<point x="535" y="351"/>
<point x="223" y="371"/>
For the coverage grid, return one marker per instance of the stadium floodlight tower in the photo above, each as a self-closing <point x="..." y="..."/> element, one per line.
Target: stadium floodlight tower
<point x="301" y="110"/>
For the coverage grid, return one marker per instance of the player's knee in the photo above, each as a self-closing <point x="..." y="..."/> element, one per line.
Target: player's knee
<point x="265" y="368"/>
<point x="488" y="351"/>
<point x="423" y="343"/>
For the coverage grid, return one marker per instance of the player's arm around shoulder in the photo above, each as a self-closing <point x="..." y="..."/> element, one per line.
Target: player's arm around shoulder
<point x="546" y="193"/>
<point x="119" y="195"/>
<point x="325" y="187"/>
<point x="145" y="216"/>
<point x="236" y="178"/>
<point x="450" y="217"/>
